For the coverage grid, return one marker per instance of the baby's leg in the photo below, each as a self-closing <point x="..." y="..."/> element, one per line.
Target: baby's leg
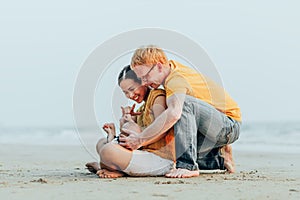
<point x="111" y="133"/>
<point x="109" y="128"/>
<point x="132" y="126"/>
<point x="114" y="156"/>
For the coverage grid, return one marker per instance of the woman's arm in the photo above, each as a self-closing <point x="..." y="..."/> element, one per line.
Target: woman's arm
<point x="161" y="124"/>
<point x="159" y="106"/>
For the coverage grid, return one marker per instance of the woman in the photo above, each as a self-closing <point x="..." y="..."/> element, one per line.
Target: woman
<point x="153" y="160"/>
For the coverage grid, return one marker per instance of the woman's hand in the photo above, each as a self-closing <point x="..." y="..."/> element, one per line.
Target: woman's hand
<point x="130" y="110"/>
<point x="128" y="115"/>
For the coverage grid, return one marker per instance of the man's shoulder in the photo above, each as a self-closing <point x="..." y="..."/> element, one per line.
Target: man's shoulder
<point x="179" y="68"/>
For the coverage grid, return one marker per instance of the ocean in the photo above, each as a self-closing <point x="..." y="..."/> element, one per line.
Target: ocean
<point x="260" y="137"/>
<point x="270" y="137"/>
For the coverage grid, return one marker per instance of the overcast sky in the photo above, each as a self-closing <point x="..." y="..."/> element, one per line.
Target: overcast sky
<point x="254" y="44"/>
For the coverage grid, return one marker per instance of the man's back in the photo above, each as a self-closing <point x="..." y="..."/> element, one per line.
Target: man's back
<point x="185" y="79"/>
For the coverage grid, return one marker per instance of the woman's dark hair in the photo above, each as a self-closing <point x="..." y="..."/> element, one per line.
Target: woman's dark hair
<point x="128" y="73"/>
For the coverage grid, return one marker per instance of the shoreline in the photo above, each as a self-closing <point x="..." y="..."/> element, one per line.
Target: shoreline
<point x="58" y="172"/>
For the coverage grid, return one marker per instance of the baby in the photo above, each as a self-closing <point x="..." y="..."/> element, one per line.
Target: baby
<point x="127" y="121"/>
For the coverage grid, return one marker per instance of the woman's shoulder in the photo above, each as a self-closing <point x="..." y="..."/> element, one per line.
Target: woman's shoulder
<point x="154" y="96"/>
<point x="158" y="92"/>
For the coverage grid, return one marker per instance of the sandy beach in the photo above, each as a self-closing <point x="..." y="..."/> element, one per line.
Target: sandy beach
<point x="58" y="172"/>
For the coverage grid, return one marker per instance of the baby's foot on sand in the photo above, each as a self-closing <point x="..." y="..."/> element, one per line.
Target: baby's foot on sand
<point x="228" y="159"/>
<point x="104" y="173"/>
<point x="182" y="173"/>
<point x="93" y="167"/>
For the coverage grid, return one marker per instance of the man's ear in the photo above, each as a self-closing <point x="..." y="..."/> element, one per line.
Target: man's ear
<point x="160" y="66"/>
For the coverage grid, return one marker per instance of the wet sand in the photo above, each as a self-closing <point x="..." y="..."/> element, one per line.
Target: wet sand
<point x="58" y="172"/>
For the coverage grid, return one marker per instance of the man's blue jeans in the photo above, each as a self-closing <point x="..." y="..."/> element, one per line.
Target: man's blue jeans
<point x="200" y="130"/>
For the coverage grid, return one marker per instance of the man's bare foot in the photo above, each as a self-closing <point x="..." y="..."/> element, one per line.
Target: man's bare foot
<point x="104" y="173"/>
<point x="93" y="167"/>
<point x="228" y="158"/>
<point x="182" y="173"/>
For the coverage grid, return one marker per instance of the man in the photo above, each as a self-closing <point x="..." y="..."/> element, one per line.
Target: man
<point x="204" y="116"/>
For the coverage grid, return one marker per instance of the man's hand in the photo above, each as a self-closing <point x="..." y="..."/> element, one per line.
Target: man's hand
<point x="131" y="141"/>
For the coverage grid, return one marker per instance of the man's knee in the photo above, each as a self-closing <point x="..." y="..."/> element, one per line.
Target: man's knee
<point x="233" y="136"/>
<point x="234" y="132"/>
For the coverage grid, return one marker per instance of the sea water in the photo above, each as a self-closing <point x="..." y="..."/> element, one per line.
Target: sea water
<point x="259" y="136"/>
<point x="280" y="137"/>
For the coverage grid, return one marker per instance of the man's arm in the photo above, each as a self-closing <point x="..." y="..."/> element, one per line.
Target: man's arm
<point x="159" y="126"/>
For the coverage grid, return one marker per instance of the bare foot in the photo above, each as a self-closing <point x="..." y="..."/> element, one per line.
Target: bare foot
<point x="104" y="173"/>
<point x="228" y="158"/>
<point x="182" y="173"/>
<point x="93" y="167"/>
<point x="110" y="129"/>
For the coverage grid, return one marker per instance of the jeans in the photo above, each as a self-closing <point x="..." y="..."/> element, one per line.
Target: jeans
<point x="200" y="132"/>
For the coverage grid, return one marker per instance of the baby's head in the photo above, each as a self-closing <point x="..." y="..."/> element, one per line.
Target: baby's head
<point x="132" y="126"/>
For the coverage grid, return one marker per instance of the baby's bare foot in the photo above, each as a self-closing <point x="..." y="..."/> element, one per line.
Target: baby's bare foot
<point x="110" y="129"/>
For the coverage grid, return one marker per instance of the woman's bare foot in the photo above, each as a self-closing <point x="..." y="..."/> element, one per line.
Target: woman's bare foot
<point x="228" y="158"/>
<point x="93" y="167"/>
<point x="104" y="173"/>
<point x="182" y="173"/>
